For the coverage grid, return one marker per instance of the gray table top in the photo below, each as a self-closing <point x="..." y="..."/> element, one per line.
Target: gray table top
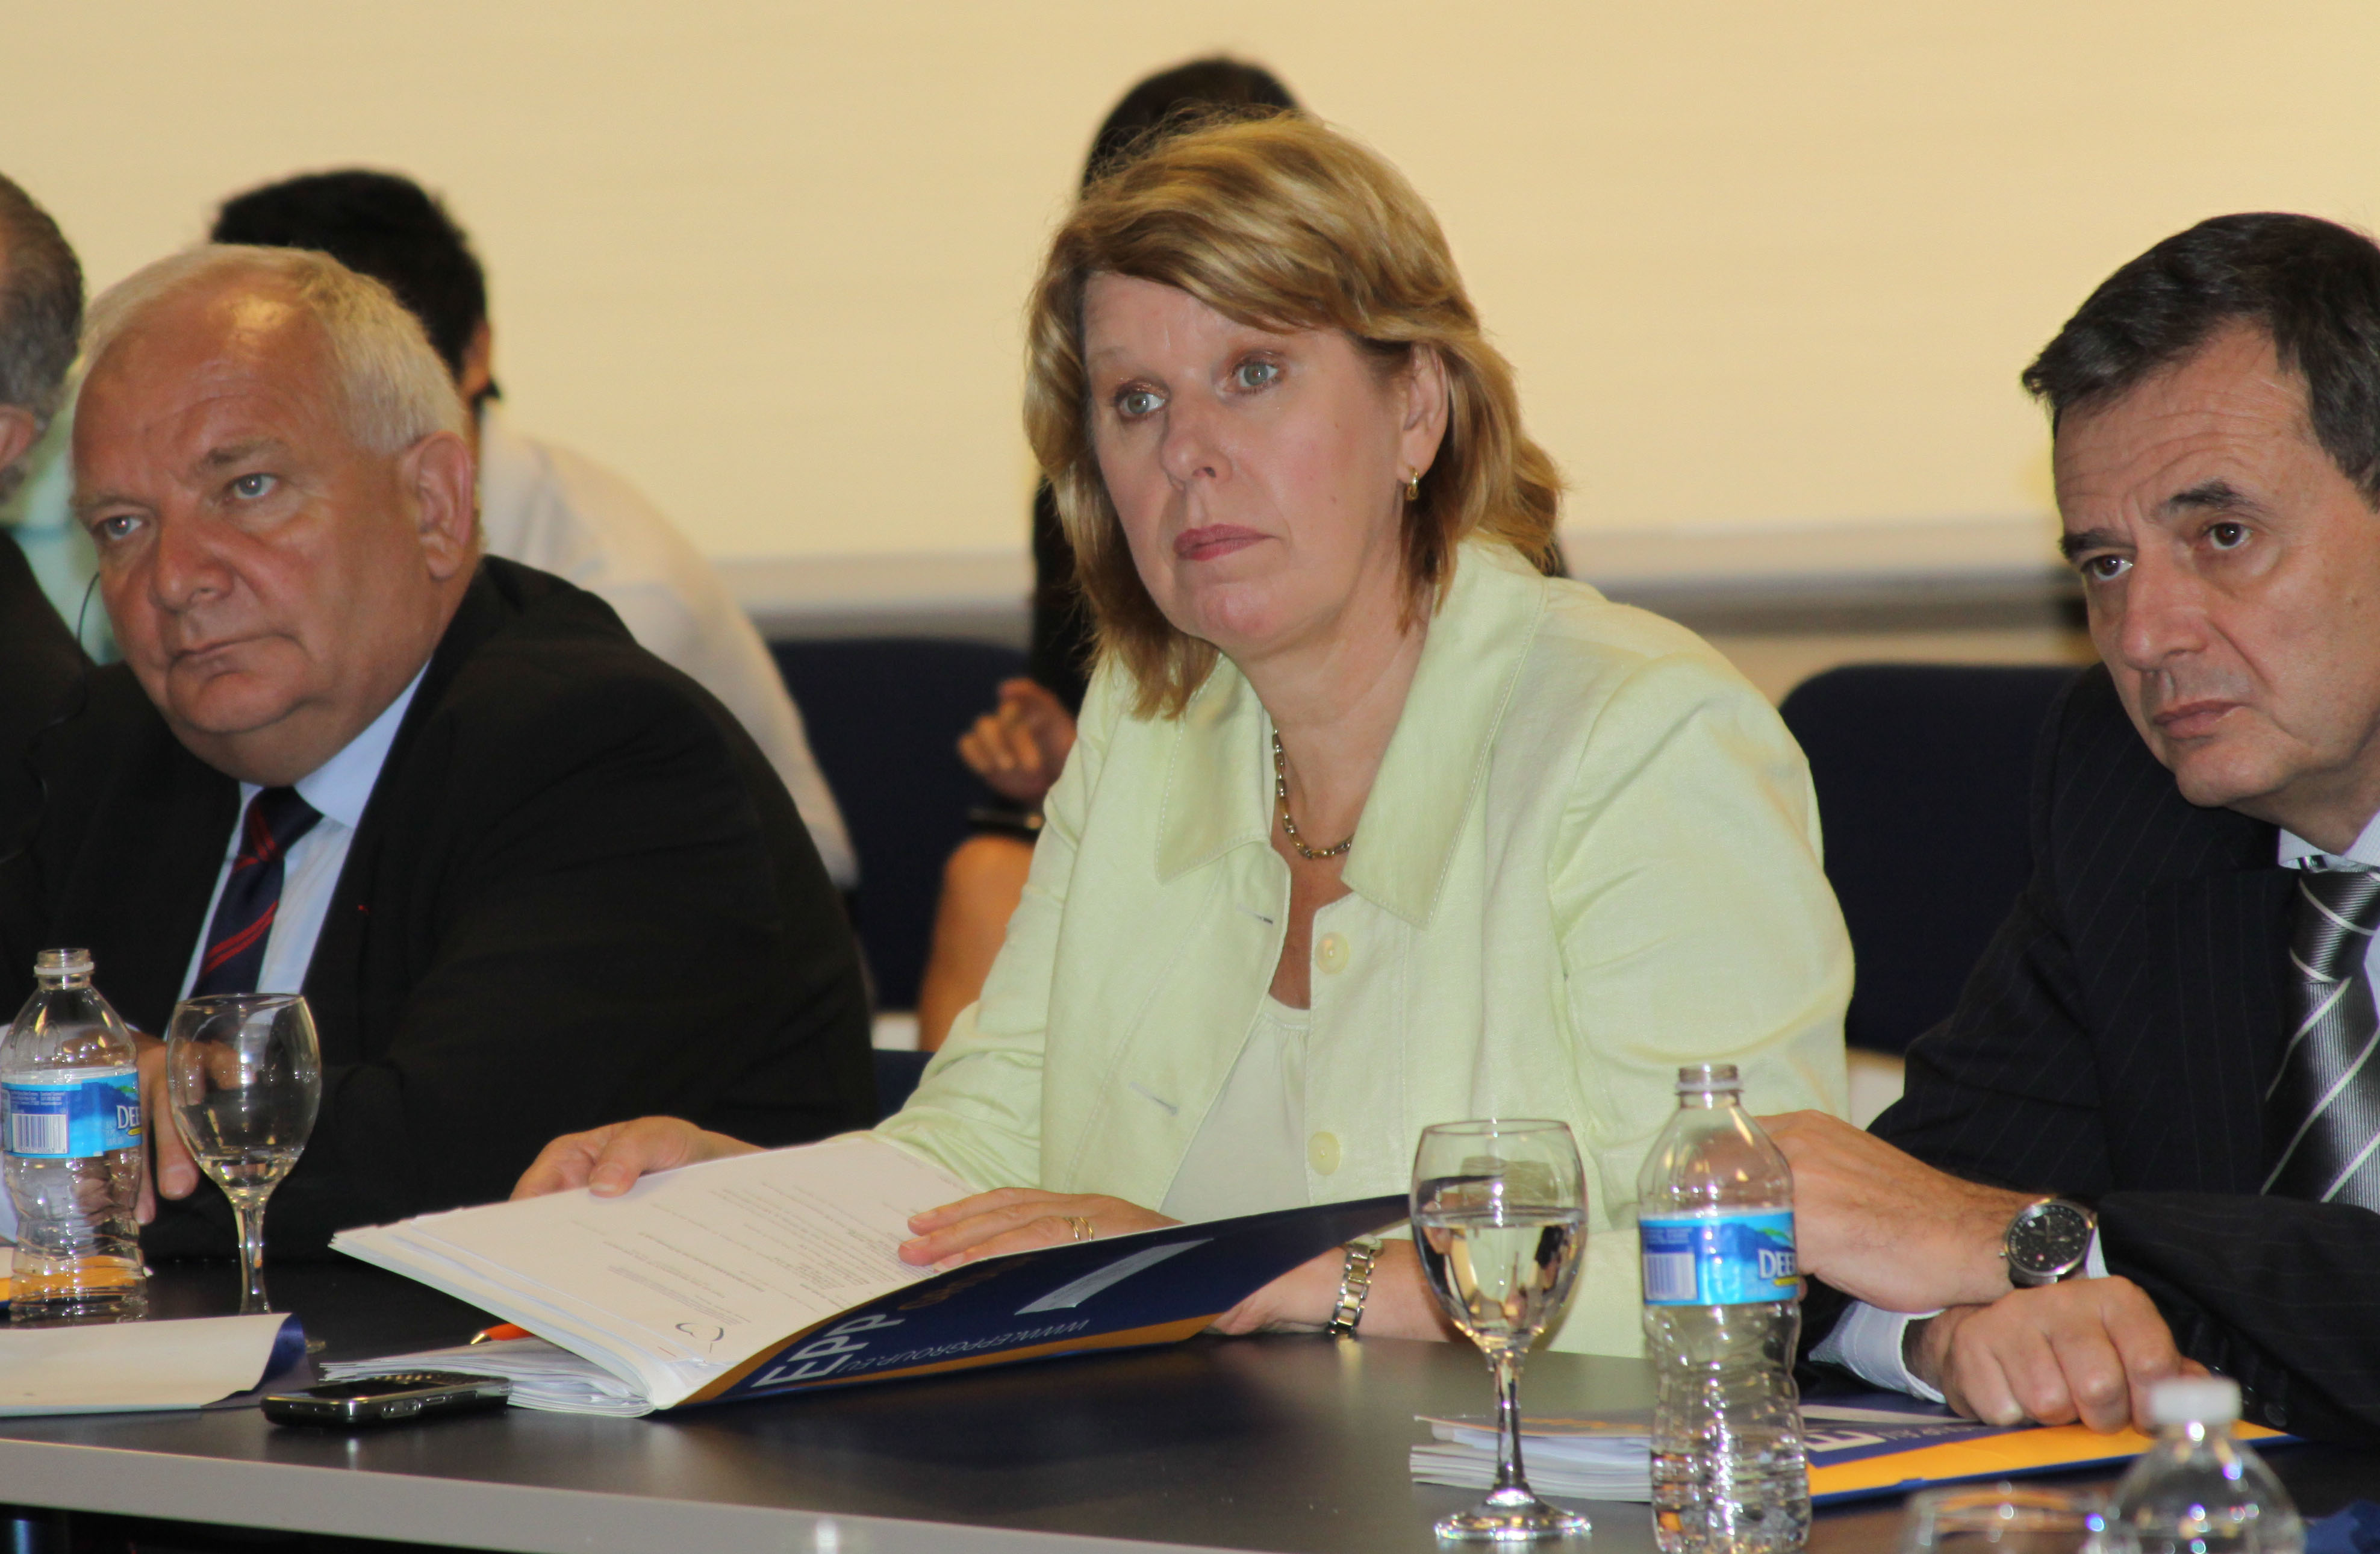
<point x="1289" y="1444"/>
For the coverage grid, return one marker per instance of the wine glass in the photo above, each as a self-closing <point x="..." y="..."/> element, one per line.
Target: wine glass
<point x="1500" y="1219"/>
<point x="244" y="1076"/>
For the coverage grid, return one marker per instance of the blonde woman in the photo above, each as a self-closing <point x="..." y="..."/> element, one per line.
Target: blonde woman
<point x="1369" y="825"/>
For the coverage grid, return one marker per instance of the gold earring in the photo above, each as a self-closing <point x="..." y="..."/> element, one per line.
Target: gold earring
<point x="1413" y="486"/>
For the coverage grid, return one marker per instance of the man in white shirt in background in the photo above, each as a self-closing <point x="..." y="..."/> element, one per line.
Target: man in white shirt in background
<point x="540" y="504"/>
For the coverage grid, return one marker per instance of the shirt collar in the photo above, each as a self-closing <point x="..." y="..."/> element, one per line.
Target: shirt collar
<point x="340" y="787"/>
<point x="2296" y="851"/>
<point x="1219" y="790"/>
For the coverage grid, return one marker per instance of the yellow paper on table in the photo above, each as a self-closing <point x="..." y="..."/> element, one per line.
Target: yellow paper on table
<point x="2043" y="1450"/>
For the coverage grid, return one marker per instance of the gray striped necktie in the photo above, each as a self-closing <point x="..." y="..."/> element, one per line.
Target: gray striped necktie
<point x="2324" y="1106"/>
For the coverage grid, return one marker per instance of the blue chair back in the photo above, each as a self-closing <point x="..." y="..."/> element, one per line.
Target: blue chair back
<point x="1923" y="774"/>
<point x="897" y="1075"/>
<point x="884" y="716"/>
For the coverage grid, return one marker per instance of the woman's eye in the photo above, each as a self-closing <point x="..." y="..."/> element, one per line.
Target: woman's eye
<point x="2226" y="534"/>
<point x="1256" y="375"/>
<point x="2105" y="569"/>
<point x="250" y="487"/>
<point x="1135" y="403"/>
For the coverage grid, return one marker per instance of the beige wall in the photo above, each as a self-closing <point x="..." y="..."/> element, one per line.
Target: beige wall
<point x="1759" y="263"/>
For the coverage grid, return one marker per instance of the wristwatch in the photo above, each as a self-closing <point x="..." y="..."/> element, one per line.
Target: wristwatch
<point x="1355" y="1283"/>
<point x="2047" y="1241"/>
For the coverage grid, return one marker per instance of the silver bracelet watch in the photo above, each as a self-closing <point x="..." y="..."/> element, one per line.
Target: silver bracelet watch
<point x="1355" y="1283"/>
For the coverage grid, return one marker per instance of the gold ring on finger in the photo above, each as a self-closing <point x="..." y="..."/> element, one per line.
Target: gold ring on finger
<point x="1082" y="1224"/>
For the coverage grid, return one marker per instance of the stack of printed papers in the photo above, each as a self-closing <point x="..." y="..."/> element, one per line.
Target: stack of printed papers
<point x="542" y="1376"/>
<point x="1569" y="1457"/>
<point x="1859" y="1445"/>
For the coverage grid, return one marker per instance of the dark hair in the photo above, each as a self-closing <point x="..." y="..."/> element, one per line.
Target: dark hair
<point x="378" y="225"/>
<point x="40" y="312"/>
<point x="1184" y="94"/>
<point x="2313" y="286"/>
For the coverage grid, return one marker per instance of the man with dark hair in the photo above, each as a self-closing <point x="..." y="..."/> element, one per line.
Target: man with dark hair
<point x="540" y="504"/>
<point x="2162" y="1066"/>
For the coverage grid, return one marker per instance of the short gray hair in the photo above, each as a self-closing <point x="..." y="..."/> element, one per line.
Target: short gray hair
<point x="41" y="310"/>
<point x="398" y="391"/>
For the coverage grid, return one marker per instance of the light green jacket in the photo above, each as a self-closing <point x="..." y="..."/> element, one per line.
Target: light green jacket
<point x="1591" y="854"/>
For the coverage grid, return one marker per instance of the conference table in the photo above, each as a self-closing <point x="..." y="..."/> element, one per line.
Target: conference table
<point x="1294" y="1444"/>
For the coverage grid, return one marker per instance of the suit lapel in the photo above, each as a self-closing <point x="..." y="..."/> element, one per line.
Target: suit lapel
<point x="335" y="977"/>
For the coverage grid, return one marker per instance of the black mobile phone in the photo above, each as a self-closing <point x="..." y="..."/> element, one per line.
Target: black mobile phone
<point x="400" y="1398"/>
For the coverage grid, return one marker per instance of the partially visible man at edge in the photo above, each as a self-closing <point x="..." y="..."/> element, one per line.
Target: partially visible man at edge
<point x="41" y="314"/>
<point x="526" y="875"/>
<point x="2152" y="1109"/>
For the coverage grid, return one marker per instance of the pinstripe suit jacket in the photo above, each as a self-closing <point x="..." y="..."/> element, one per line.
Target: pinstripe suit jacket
<point x="2115" y="1044"/>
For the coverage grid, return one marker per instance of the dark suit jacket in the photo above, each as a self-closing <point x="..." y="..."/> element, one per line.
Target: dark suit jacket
<point x="578" y="894"/>
<point x="2115" y="1044"/>
<point x="40" y="667"/>
<point x="40" y="674"/>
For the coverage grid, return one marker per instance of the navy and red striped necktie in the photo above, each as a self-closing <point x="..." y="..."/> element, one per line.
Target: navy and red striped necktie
<point x="251" y="895"/>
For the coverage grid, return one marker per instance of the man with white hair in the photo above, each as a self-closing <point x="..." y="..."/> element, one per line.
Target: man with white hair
<point x="528" y="877"/>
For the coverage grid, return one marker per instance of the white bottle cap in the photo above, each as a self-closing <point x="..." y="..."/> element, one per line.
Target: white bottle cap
<point x="2184" y="1401"/>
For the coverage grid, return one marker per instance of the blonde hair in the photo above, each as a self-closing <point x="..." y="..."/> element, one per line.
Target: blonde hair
<point x="395" y="389"/>
<point x="1282" y="224"/>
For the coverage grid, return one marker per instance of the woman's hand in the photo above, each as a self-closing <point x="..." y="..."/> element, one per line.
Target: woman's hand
<point x="1400" y="1304"/>
<point x="1020" y="746"/>
<point x="1016" y="1219"/>
<point x="607" y="1160"/>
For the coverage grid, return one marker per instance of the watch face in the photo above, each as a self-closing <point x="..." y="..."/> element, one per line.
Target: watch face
<point x="2049" y="1239"/>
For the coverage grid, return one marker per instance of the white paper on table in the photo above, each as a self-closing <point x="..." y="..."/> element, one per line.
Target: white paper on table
<point x="690" y="1271"/>
<point x="121" y="1368"/>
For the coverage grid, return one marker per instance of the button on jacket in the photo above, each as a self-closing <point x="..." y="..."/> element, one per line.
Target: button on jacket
<point x="1591" y="854"/>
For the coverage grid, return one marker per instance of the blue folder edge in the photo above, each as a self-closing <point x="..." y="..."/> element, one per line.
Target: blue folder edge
<point x="1121" y="1292"/>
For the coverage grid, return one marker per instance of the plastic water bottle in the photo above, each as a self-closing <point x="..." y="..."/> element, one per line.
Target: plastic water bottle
<point x="2198" y="1491"/>
<point x="71" y="1077"/>
<point x="1715" y="1218"/>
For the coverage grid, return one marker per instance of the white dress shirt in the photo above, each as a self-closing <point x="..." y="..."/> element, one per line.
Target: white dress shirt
<point x="338" y="789"/>
<point x="1868" y="1340"/>
<point x="548" y="508"/>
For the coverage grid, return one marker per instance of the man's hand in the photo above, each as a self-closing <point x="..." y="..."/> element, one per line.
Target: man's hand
<point x="2086" y="1349"/>
<point x="166" y="1165"/>
<point x="1887" y="1229"/>
<point x="1015" y="1220"/>
<point x="607" y="1160"/>
<point x="1020" y="746"/>
<point x="1400" y="1304"/>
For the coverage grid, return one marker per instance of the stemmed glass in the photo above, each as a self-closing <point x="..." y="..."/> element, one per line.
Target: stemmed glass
<point x="244" y="1076"/>
<point x="1500" y="1219"/>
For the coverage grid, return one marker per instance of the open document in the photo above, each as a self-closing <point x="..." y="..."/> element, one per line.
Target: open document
<point x="778" y="1272"/>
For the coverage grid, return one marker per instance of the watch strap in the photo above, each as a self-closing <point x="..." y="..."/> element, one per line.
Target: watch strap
<point x="1354" y="1284"/>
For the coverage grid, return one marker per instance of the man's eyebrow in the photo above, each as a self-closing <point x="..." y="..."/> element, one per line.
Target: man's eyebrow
<point x="2072" y="545"/>
<point x="2219" y="496"/>
<point x="237" y="453"/>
